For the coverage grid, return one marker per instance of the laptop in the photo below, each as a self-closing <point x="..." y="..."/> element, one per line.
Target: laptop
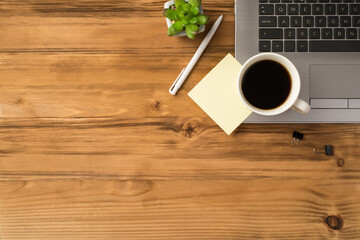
<point x="322" y="39"/>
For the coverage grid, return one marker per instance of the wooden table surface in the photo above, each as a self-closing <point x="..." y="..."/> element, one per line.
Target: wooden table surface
<point x="92" y="145"/>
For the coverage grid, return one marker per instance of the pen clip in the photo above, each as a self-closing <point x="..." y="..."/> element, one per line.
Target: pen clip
<point x="172" y="89"/>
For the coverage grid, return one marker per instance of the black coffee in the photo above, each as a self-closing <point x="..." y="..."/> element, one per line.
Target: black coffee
<point x="266" y="84"/>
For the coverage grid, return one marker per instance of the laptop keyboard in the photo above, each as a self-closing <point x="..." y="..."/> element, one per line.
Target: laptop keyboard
<point x="309" y="25"/>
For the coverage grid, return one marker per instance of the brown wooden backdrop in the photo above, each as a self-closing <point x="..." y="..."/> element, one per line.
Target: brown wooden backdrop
<point x="92" y="145"/>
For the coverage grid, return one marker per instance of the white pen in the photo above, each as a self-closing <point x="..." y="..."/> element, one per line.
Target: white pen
<point x="186" y="71"/>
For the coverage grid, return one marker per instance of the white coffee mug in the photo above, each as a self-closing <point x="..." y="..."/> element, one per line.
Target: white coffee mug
<point x="292" y="100"/>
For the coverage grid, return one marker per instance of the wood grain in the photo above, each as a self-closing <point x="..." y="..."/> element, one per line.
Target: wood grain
<point x="172" y="148"/>
<point x="92" y="145"/>
<point x="204" y="209"/>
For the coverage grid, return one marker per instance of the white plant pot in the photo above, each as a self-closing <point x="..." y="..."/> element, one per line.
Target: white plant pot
<point x="167" y="5"/>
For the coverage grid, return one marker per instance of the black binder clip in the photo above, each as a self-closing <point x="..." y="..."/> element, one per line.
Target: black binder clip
<point x="297" y="137"/>
<point x="328" y="150"/>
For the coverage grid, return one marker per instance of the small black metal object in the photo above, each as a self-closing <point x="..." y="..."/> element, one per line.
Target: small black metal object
<point x="297" y="137"/>
<point x="328" y="150"/>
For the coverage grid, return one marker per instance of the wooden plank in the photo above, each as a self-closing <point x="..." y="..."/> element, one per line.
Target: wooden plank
<point x="112" y="209"/>
<point x="99" y="8"/>
<point x="173" y="148"/>
<point x="96" y="85"/>
<point x="114" y="35"/>
<point x="80" y="25"/>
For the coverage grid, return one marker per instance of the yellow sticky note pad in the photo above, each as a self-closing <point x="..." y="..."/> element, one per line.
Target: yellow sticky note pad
<point x="218" y="96"/>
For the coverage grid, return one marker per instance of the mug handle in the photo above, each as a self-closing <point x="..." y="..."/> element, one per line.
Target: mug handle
<point x="301" y="106"/>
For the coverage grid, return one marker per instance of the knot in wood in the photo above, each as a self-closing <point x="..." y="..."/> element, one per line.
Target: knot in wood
<point x="156" y="105"/>
<point x="340" y="162"/>
<point x="334" y="222"/>
<point x="19" y="101"/>
<point x="190" y="129"/>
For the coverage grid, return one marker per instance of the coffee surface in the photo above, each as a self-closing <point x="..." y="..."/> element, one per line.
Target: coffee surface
<point x="266" y="84"/>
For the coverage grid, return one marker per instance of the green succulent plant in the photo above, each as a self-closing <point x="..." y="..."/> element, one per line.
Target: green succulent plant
<point x="185" y="15"/>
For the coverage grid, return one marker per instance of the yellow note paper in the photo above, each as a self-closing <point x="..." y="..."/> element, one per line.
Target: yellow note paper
<point x="217" y="94"/>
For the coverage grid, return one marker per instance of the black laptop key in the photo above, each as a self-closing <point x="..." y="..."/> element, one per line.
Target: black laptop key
<point x="270" y="33"/>
<point x="293" y="9"/>
<point x="299" y="1"/>
<point x="308" y="21"/>
<point x="264" y="46"/>
<point x="342" y="9"/>
<point x="336" y="1"/>
<point x="263" y="1"/>
<point x="317" y="9"/>
<point x="266" y="9"/>
<point x="345" y="21"/>
<point x="351" y="33"/>
<point x="283" y="21"/>
<point x="305" y="9"/>
<point x="280" y="9"/>
<point x="326" y="33"/>
<point x="286" y="1"/>
<point x="334" y="46"/>
<point x="289" y="33"/>
<point x="277" y="46"/>
<point x="302" y="33"/>
<point x="355" y="9"/>
<point x="333" y="21"/>
<point x="330" y="9"/>
<point x="295" y="21"/>
<point x="324" y="1"/>
<point x="311" y="1"/>
<point x="267" y="21"/>
<point x="339" y="33"/>
<point x="274" y="1"/>
<point x="314" y="33"/>
<point x="356" y="21"/>
<point x="289" y="46"/>
<point x="302" y="46"/>
<point x="320" y="21"/>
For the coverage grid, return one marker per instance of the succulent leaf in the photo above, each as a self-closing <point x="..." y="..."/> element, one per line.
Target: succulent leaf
<point x="170" y="14"/>
<point x="189" y="33"/>
<point x="195" y="3"/>
<point x="190" y="15"/>
<point x="194" y="10"/>
<point x="193" y="28"/>
<point x="171" y="31"/>
<point x="203" y="19"/>
<point x="178" y="27"/>
<point x="187" y="8"/>
<point x="193" y="20"/>
<point x="179" y="3"/>
<point x="184" y="22"/>
<point x="180" y="9"/>
<point x="180" y="16"/>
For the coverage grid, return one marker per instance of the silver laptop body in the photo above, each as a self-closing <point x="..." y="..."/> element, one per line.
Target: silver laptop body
<point x="330" y="81"/>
